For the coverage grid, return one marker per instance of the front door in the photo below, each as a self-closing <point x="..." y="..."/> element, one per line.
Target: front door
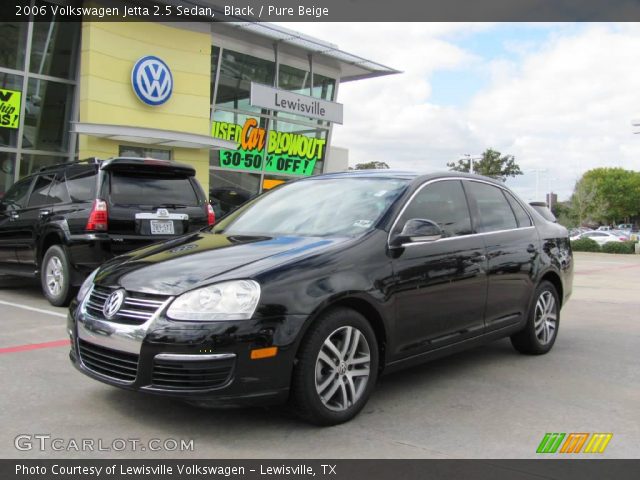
<point x="440" y="285"/>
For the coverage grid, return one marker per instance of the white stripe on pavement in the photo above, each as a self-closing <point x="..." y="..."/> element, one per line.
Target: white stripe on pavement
<point x="33" y="309"/>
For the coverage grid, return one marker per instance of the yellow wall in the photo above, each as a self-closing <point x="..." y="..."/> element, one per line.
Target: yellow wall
<point x="109" y="51"/>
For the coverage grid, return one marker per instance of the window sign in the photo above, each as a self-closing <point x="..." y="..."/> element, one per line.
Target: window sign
<point x="287" y="153"/>
<point x="10" y="108"/>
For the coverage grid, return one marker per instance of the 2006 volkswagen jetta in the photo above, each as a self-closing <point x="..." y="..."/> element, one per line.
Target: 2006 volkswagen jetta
<point x="312" y="290"/>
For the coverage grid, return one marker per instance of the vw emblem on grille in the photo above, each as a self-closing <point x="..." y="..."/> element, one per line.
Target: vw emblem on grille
<point x="113" y="303"/>
<point x="152" y="80"/>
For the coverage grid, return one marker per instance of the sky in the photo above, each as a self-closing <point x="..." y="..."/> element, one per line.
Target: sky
<point x="560" y="98"/>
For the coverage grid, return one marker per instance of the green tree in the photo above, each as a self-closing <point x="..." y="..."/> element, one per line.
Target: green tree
<point x="371" y="165"/>
<point x="493" y="164"/>
<point x="607" y="195"/>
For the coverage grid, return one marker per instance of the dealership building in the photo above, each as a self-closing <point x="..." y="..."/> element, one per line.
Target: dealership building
<point x="181" y="91"/>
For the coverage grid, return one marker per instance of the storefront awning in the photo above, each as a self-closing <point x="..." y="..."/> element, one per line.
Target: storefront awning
<point x="151" y="136"/>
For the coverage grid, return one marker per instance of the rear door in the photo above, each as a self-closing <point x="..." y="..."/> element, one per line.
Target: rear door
<point x="37" y="210"/>
<point x="10" y="209"/>
<point x="150" y="205"/>
<point x="512" y="246"/>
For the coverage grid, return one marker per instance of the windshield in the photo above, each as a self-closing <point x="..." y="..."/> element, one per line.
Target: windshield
<point x="316" y="208"/>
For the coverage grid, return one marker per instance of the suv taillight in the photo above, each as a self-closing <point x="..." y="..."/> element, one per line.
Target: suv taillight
<point x="211" y="216"/>
<point x="98" y="218"/>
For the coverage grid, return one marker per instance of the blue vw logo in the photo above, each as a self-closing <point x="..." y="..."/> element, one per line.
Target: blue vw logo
<point x="152" y="80"/>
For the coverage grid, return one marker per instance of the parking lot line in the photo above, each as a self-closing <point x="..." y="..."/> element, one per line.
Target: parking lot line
<point x="35" y="346"/>
<point x="33" y="309"/>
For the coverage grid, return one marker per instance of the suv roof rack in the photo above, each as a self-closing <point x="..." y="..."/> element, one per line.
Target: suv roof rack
<point x="90" y="160"/>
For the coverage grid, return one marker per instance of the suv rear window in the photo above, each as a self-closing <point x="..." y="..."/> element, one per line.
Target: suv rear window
<point x="146" y="189"/>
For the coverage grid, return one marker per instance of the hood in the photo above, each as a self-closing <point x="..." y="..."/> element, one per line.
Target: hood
<point x="174" y="267"/>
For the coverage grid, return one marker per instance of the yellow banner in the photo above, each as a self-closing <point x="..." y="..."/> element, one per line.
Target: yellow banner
<point x="10" y="108"/>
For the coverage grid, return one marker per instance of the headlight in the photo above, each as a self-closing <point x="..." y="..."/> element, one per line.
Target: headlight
<point x="235" y="300"/>
<point x="86" y="286"/>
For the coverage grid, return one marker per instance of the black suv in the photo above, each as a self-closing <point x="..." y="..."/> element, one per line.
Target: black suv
<point x="65" y="220"/>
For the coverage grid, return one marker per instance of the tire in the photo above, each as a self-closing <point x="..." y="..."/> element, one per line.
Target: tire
<point x="55" y="277"/>
<point x="344" y="372"/>
<point x="541" y="331"/>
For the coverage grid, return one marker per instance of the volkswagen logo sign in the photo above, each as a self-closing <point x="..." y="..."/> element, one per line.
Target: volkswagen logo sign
<point x="113" y="303"/>
<point x="152" y="80"/>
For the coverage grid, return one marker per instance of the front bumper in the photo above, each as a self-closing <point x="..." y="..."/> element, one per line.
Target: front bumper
<point x="201" y="362"/>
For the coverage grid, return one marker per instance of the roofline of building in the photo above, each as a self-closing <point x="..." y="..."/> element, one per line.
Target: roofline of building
<point x="315" y="46"/>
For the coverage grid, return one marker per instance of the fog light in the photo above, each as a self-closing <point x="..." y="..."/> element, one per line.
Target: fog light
<point x="264" y="353"/>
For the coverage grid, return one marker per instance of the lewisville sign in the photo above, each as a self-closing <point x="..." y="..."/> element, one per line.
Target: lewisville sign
<point x="303" y="105"/>
<point x="289" y="153"/>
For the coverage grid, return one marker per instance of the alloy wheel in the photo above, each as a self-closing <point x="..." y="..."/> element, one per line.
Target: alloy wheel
<point x="54" y="276"/>
<point x="546" y="317"/>
<point x="342" y="368"/>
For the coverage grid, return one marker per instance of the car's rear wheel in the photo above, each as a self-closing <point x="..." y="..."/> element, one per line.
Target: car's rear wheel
<point x="55" y="276"/>
<point x="336" y="368"/>
<point x="541" y="330"/>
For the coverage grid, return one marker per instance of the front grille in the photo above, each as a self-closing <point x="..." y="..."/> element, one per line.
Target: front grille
<point x="105" y="361"/>
<point x="191" y="375"/>
<point x="136" y="309"/>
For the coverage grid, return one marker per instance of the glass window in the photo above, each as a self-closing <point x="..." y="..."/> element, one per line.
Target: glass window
<point x="151" y="189"/>
<point x="294" y="79"/>
<point x="32" y="163"/>
<point x="81" y="183"/>
<point x="47" y="110"/>
<point x="58" y="191"/>
<point x="229" y="190"/>
<point x="323" y="87"/>
<point x="40" y="194"/>
<point x="237" y="71"/>
<point x="53" y="47"/>
<point x="443" y="203"/>
<point x="10" y="100"/>
<point x="521" y="215"/>
<point x="13" y="44"/>
<point x="16" y="197"/>
<point x="144" y="152"/>
<point x="317" y="207"/>
<point x="495" y="212"/>
<point x="7" y="168"/>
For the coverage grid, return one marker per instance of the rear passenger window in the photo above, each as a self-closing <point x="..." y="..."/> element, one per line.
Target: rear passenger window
<point x="58" y="191"/>
<point x="441" y="202"/>
<point x="16" y="197"/>
<point x="81" y="183"/>
<point x="521" y="215"/>
<point x="40" y="193"/>
<point x="495" y="212"/>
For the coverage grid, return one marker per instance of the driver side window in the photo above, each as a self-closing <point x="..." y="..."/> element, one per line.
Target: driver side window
<point x="16" y="197"/>
<point x="444" y="203"/>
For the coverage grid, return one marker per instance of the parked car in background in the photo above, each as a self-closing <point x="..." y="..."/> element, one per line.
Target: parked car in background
<point x="627" y="227"/>
<point x="544" y="210"/>
<point x="312" y="290"/>
<point x="604" y="228"/>
<point x="599" y="236"/>
<point x="622" y="235"/>
<point x="62" y="222"/>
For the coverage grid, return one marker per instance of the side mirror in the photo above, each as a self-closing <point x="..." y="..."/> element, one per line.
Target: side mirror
<point x="417" y="230"/>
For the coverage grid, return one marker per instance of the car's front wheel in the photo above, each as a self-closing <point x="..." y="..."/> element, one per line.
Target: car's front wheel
<point x="541" y="330"/>
<point x="55" y="276"/>
<point x="336" y="368"/>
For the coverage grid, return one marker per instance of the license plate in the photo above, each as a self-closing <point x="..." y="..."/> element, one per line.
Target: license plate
<point x="162" y="227"/>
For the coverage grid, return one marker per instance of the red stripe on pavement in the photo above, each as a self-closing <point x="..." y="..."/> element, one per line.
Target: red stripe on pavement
<point x="35" y="346"/>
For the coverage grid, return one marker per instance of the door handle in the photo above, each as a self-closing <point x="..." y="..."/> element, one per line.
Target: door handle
<point x="44" y="213"/>
<point x="531" y="248"/>
<point x="14" y="216"/>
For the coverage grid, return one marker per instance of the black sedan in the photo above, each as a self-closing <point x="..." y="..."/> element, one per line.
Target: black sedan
<point x="311" y="291"/>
